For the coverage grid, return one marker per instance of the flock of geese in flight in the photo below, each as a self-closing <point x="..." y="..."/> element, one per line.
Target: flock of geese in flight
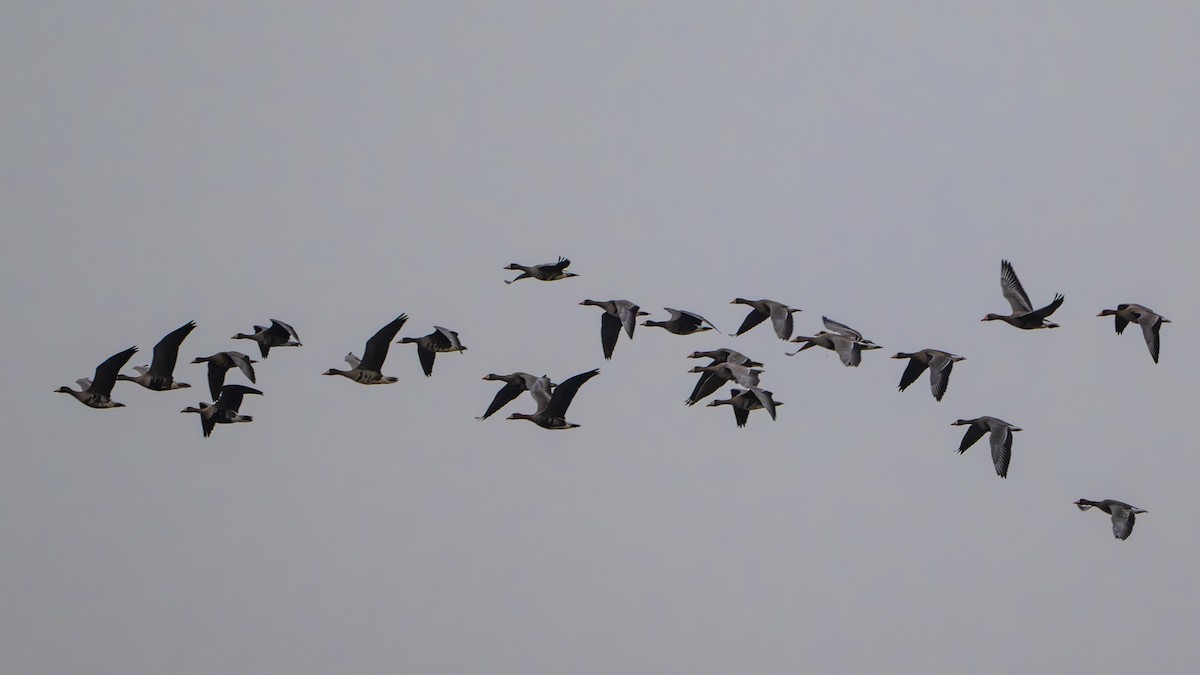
<point x="552" y="400"/>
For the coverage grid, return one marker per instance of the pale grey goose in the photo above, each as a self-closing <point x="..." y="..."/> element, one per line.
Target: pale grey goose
<point x="618" y="314"/>
<point x="682" y="322"/>
<point x="1000" y="438"/>
<point x="1023" y="314"/>
<point x="543" y="272"/>
<point x="440" y="340"/>
<point x="1122" y="514"/>
<point x="278" y="334"/>
<point x="847" y="342"/>
<point x="938" y="362"/>
<point x="159" y="376"/>
<point x="97" y="392"/>
<point x="514" y="384"/>
<point x="367" y="369"/>
<point x="1148" y="319"/>
<point x="225" y="409"/>
<point x="552" y="407"/>
<point x="743" y="401"/>
<point x="220" y="363"/>
<point x="761" y="310"/>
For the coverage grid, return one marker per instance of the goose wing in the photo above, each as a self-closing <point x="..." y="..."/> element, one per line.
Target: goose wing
<point x="167" y="350"/>
<point x="1122" y="521"/>
<point x="849" y="351"/>
<point x="1150" y="324"/>
<point x="563" y="394"/>
<point x="283" y="331"/>
<point x="766" y="399"/>
<point x="106" y="372"/>
<point x="353" y="360"/>
<point x="939" y="374"/>
<point x="426" y="356"/>
<point x="243" y="363"/>
<point x="503" y="397"/>
<point x="1010" y="285"/>
<point x="540" y="391"/>
<point x="627" y="312"/>
<point x="1001" y="440"/>
<point x="1120" y="321"/>
<point x="754" y="318"/>
<point x="557" y="267"/>
<point x="1048" y="309"/>
<point x="708" y="383"/>
<point x="610" y="329"/>
<point x="377" y="347"/>
<point x="231" y="396"/>
<point x="841" y="328"/>
<point x="912" y="372"/>
<point x="974" y="433"/>
<point x="446" y="339"/>
<point x="781" y="319"/>
<point x="690" y="320"/>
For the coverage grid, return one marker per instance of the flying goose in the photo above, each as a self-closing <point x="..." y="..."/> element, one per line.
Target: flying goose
<point x="743" y="401"/>
<point x="278" y="334"/>
<point x="514" y="384"/>
<point x="723" y="355"/>
<point x="224" y="410"/>
<point x="847" y="342"/>
<point x="682" y="322"/>
<point x="760" y="310"/>
<point x="543" y="272"/>
<point x="1023" y="315"/>
<point x="552" y="407"/>
<point x="440" y="340"/>
<point x="939" y="363"/>
<point x="1001" y="439"/>
<point x="159" y="375"/>
<point x="1122" y="514"/>
<point x="220" y="363"/>
<point x="366" y="370"/>
<point x="716" y="374"/>
<point x="97" y="392"/>
<point x="1148" y="319"/>
<point x="618" y="314"/>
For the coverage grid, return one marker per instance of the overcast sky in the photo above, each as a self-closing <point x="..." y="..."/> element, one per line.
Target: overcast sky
<point x="335" y="166"/>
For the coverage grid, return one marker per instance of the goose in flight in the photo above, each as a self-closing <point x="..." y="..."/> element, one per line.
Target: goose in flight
<point x="937" y="361"/>
<point x="278" y="334"/>
<point x="440" y="340"/>
<point x="1023" y="314"/>
<point x="159" y="376"/>
<point x="743" y="401"/>
<point x="716" y="374"/>
<point x="847" y="342"/>
<point x="1148" y="319"/>
<point x="514" y="384"/>
<point x="1000" y="439"/>
<point x="543" y="272"/>
<point x="682" y="322"/>
<point x="97" y="392"/>
<point x="618" y="314"/>
<point x="761" y="310"/>
<point x="220" y="363"/>
<point x="552" y="407"/>
<point x="225" y="409"/>
<point x="366" y="370"/>
<point x="1122" y="514"/>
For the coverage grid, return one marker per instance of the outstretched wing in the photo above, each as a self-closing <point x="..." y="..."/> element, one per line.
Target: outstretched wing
<point x="754" y="318"/>
<point x="1001" y="441"/>
<point x="563" y="394"/>
<point x="610" y="330"/>
<point x="912" y="372"/>
<point x="974" y="433"/>
<point x="939" y="375"/>
<point x="377" y="347"/>
<point x="106" y="372"/>
<point x="503" y="397"/>
<point x="231" y="396"/>
<point x="167" y="350"/>
<point x="841" y="328"/>
<point x="1010" y="285"/>
<point x="1150" y="324"/>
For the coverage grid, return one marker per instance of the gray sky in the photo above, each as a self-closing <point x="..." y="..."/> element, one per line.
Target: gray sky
<point x="335" y="167"/>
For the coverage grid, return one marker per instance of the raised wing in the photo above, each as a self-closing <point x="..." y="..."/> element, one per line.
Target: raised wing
<point x="377" y="347"/>
<point x="167" y="350"/>
<point x="841" y="328"/>
<point x="564" y="393"/>
<point x="1010" y="285"/>
<point x="106" y="372"/>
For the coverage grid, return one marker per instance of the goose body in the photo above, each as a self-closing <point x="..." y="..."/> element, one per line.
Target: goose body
<point x="278" y="334"/>
<point x="220" y="363"/>
<point x="367" y="369"/>
<point x="552" y="407"/>
<point x="440" y="340"/>
<point x="682" y="322"/>
<point x="618" y="314"/>
<point x="97" y="392"/>
<point x="1000" y="439"/>
<point x="1148" y="319"/>
<point x="1122" y="514"/>
<point x="1023" y="314"/>
<point x="761" y="310"/>
<point x="848" y="343"/>
<point x="938" y="362"/>
<point x="159" y="376"/>
<point x="743" y="401"/>
<point x="543" y="272"/>
<point x="224" y="410"/>
<point x="514" y="384"/>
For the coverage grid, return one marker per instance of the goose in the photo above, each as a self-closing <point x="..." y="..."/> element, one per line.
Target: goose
<point x="278" y="334"/>
<point x="718" y="374"/>
<point x="440" y="340"/>
<point x="366" y="370"/>
<point x="552" y="407"/>
<point x="743" y="401"/>
<point x="722" y="355"/>
<point x="682" y="322"/>
<point x="847" y="342"/>
<point x="220" y="363"/>
<point x="617" y="314"/>
<point x="159" y="375"/>
<point x="543" y="272"/>
<point x="939" y="363"/>
<point x="1122" y="514"/>
<point x="1023" y="315"/>
<point x="760" y="310"/>
<point x="1148" y="319"/>
<point x="225" y="409"/>
<point x="514" y="384"/>
<point x="97" y="392"/>
<point x="1001" y="439"/>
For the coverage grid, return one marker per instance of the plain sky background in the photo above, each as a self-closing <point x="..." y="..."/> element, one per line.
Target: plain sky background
<point x="335" y="166"/>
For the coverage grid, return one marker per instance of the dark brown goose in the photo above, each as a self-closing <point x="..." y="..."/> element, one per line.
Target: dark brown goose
<point x="552" y="407"/>
<point x="543" y="272"/>
<point x="278" y="334"/>
<point x="1023" y="314"/>
<point x="97" y="392"/>
<point x="1122" y="514"/>
<point x="761" y="310"/>
<point x="618" y="314"/>
<point x="1000" y="438"/>
<point x="220" y="363"/>
<point x="367" y="369"/>
<point x="440" y="340"/>
<point x="224" y="410"/>
<point x="938" y="362"/>
<point x="159" y="376"/>
<point x="1148" y="319"/>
